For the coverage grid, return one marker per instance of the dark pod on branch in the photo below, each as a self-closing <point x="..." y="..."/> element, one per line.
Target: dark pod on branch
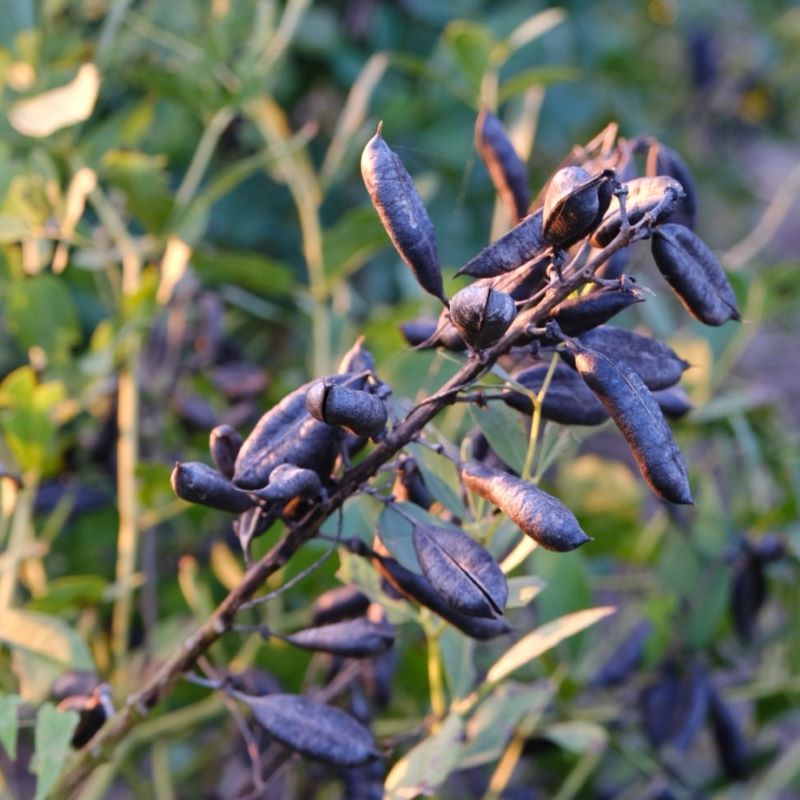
<point x="93" y="710"/>
<point x="287" y="482"/>
<point x="748" y="594"/>
<point x="673" y="402"/>
<point x="409" y="485"/>
<point x="224" y="442"/>
<point x="198" y="483"/>
<point x="355" y="410"/>
<point x="626" y="659"/>
<point x="352" y="638"/>
<point x="637" y="415"/>
<point x="568" y="400"/>
<point x="733" y="751"/>
<point x="461" y="570"/>
<point x="343" y="602"/>
<point x="580" y="314"/>
<point x="424" y="334"/>
<point x="536" y="513"/>
<point x="663" y="160"/>
<point x="402" y="213"/>
<point x="482" y="315"/>
<point x="694" y="274"/>
<point x="506" y="169"/>
<point x="644" y="195"/>
<point x="318" y="731"/>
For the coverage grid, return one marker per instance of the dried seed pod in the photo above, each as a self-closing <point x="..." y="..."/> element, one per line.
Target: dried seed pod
<point x="482" y="315"/>
<point x="402" y="213"/>
<point x="199" y="483"/>
<point x="580" y="314"/>
<point x="419" y="332"/>
<point x="357" y="359"/>
<point x="352" y="638"/>
<point x="769" y="548"/>
<point x="288" y="481"/>
<point x="748" y="594"/>
<point x="343" y="602"/>
<point x="424" y="334"/>
<point x="523" y="243"/>
<point x="644" y="194"/>
<point x="523" y="282"/>
<point x="461" y="570"/>
<point x="655" y="362"/>
<point x="409" y="485"/>
<point x="318" y="731"/>
<point x="237" y="380"/>
<point x="574" y="204"/>
<point x="536" y="513"/>
<point x="694" y="274"/>
<point x="733" y="751"/>
<point x="626" y="659"/>
<point x="506" y="169"/>
<point x="357" y="411"/>
<point x="673" y="402"/>
<point x="568" y="401"/>
<point x="224" y="442"/>
<point x="641" y="422"/>
<point x="663" y="160"/>
<point x="92" y="709"/>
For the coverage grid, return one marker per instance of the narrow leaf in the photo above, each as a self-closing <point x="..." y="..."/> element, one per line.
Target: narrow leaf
<point x="45" y="636"/>
<point x="9" y="708"/>
<point x="52" y="739"/>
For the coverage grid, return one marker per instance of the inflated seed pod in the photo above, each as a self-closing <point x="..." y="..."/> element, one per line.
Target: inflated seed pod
<point x="644" y="194"/>
<point x="580" y="314"/>
<point x="655" y="361"/>
<point x="409" y="485"/>
<point x="663" y="160"/>
<point x="462" y="571"/>
<point x="536" y="513"/>
<point x="673" y="402"/>
<point x="352" y="638"/>
<point x="335" y="605"/>
<point x="198" y="483"/>
<point x="733" y="751"/>
<point x="768" y="548"/>
<point x="402" y="213"/>
<point x="568" y="400"/>
<point x="523" y="243"/>
<point x="357" y="411"/>
<point x="637" y="415"/>
<point x="694" y="274"/>
<point x="482" y="314"/>
<point x="288" y="481"/>
<point x="573" y="205"/>
<point x="506" y="169"/>
<point x="224" y="442"/>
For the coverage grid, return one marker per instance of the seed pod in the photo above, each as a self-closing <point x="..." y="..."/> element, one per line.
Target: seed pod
<point x="568" y="401"/>
<point x="574" y="204"/>
<point x="461" y="571"/>
<point x="536" y="513"/>
<point x="663" y="160"/>
<point x="409" y="485"/>
<point x="506" y="169"/>
<point x="644" y="194"/>
<point x="523" y="243"/>
<point x="419" y="589"/>
<point x="523" y="282"/>
<point x="198" y="483"/>
<point x="748" y="594"/>
<point x="357" y="359"/>
<point x="673" y="402"/>
<point x="318" y="731"/>
<point x="92" y="709"/>
<point x="224" y="442"/>
<point x="580" y="314"/>
<point x="655" y="362"/>
<point x="352" y="638"/>
<point x="402" y="213"/>
<point x="626" y="659"/>
<point x="343" y="602"/>
<point x="641" y="422"/>
<point x="423" y="334"/>
<point x="482" y="315"/>
<point x="733" y="751"/>
<point x="694" y="274"/>
<point x="357" y="411"/>
<point x="769" y="548"/>
<point x="288" y="481"/>
<point x="238" y="380"/>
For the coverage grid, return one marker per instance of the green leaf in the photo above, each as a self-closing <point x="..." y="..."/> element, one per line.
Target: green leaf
<point x="523" y="589"/>
<point x="458" y="660"/>
<point x="543" y="639"/>
<point x="426" y="767"/>
<point x="261" y="275"/>
<point x="71" y="591"/>
<point x="9" y="707"/>
<point x="505" y="431"/>
<point x="44" y="636"/>
<point x="396" y="533"/>
<point x="13" y="229"/>
<point x="577" y="736"/>
<point x="470" y="46"/>
<point x="356" y="237"/>
<point x="494" y="721"/>
<point x="535" y="76"/>
<point x="441" y="479"/>
<point x="53" y="733"/>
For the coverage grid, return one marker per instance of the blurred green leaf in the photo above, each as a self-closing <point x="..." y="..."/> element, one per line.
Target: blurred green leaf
<point x="577" y="736"/>
<point x="262" y="275"/>
<point x="356" y="237"/>
<point x="9" y="709"/>
<point x="535" y="76"/>
<point x="53" y="733"/>
<point x="505" y="431"/>
<point x="470" y="45"/>
<point x="45" y="636"/>
<point x="458" y="653"/>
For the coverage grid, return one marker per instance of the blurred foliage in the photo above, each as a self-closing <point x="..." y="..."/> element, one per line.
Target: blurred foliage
<point x="219" y="167"/>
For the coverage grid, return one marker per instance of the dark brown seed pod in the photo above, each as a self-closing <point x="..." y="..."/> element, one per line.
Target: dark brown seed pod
<point x="523" y="243"/>
<point x="402" y="213"/>
<point x="694" y="274"/>
<point x="343" y="602"/>
<point x="409" y="485"/>
<point x="356" y="411"/>
<point x="644" y="194"/>
<point x="287" y="482"/>
<point x="568" y="400"/>
<point x="656" y="363"/>
<point x="318" y="731"/>
<point x="580" y="314"/>
<point x="352" y="638"/>
<point x="506" y="169"/>
<point x="482" y="315"/>
<point x="574" y="204"/>
<point x="663" y="160"/>
<point x="92" y="709"/>
<point x="424" y="334"/>
<point x="641" y="422"/>
<point x="224" y="442"/>
<point x="673" y="402"/>
<point x="748" y="594"/>
<point x="536" y="513"/>
<point x="461" y="571"/>
<point x="523" y="282"/>
<point x="733" y="751"/>
<point x="626" y="659"/>
<point x="199" y="483"/>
